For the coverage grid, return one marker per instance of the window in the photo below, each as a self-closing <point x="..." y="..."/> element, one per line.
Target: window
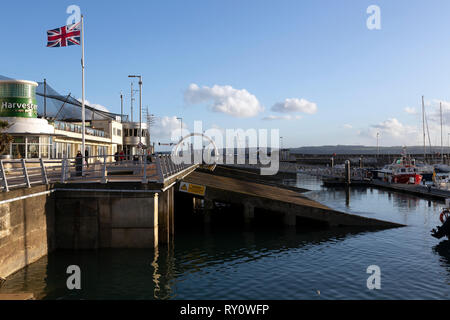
<point x="119" y="132"/>
<point x="18" y="151"/>
<point x="114" y="131"/>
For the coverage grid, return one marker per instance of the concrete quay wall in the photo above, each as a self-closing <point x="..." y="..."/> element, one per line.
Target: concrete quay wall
<point x="27" y="227"/>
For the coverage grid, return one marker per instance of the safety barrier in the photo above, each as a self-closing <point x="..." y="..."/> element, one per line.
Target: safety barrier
<point x="24" y="173"/>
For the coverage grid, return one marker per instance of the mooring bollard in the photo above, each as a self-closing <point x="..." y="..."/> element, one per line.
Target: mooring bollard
<point x="348" y="174"/>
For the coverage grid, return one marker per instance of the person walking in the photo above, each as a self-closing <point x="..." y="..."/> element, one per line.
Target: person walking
<point x="116" y="157"/>
<point x="79" y="164"/>
<point x="86" y="154"/>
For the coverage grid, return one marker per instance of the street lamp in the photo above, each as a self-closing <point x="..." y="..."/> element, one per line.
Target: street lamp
<point x="140" y="108"/>
<point x="181" y="128"/>
<point x="140" y="104"/>
<point x="378" y="148"/>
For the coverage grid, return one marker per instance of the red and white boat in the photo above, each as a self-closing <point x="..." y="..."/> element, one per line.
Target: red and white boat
<point x="402" y="170"/>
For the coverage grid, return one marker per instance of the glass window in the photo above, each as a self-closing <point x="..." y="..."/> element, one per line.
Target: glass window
<point x="33" y="151"/>
<point x="18" y="151"/>
<point x="33" y="139"/>
<point x="44" y="151"/>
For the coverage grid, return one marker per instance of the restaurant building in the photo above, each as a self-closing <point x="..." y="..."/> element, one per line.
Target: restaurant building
<point x="45" y="137"/>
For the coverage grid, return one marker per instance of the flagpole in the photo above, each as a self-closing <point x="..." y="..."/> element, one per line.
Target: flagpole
<point x="83" y="128"/>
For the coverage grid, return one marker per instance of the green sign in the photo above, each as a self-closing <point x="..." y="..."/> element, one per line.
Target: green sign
<point x="18" y="107"/>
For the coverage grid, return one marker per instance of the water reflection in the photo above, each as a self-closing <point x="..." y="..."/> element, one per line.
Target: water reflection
<point x="266" y="263"/>
<point x="443" y="250"/>
<point x="130" y="274"/>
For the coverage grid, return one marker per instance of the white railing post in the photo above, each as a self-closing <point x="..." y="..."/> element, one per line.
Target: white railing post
<point x="144" y="171"/>
<point x="159" y="170"/>
<point x="25" y="173"/>
<point x="104" y="172"/>
<point x="5" y="181"/>
<point x="44" y="172"/>
<point x="169" y="165"/>
<point x="63" y="170"/>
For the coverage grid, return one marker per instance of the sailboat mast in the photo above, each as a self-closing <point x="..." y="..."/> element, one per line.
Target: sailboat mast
<point x="442" y="139"/>
<point x="423" y="126"/>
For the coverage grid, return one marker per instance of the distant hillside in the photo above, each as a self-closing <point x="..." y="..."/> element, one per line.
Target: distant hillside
<point x="341" y="149"/>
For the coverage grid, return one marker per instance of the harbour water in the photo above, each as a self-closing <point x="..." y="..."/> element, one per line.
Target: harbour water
<point x="266" y="263"/>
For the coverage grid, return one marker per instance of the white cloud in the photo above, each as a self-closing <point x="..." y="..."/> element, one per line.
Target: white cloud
<point x="392" y="133"/>
<point x="433" y="112"/>
<point x="164" y="127"/>
<point x="287" y="117"/>
<point x="347" y="126"/>
<point x="295" y="105"/>
<point x="95" y="105"/>
<point x="409" y="110"/>
<point x="225" y="99"/>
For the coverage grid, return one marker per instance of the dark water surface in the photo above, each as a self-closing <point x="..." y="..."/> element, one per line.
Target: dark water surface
<point x="243" y="263"/>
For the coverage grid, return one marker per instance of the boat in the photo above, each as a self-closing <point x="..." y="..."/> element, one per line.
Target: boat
<point x="442" y="168"/>
<point x="402" y="171"/>
<point x="425" y="170"/>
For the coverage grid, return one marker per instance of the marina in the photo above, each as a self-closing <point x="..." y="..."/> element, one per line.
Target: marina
<point x="231" y="261"/>
<point x="218" y="159"/>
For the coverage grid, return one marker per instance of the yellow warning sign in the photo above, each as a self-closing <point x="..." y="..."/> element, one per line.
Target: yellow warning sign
<point x="192" y="188"/>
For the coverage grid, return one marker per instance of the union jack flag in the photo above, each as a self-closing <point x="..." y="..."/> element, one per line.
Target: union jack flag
<point x="65" y="36"/>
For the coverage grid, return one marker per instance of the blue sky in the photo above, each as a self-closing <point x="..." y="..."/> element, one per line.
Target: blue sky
<point x="321" y="51"/>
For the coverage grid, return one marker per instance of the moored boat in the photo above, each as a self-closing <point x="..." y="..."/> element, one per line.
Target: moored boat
<point x="402" y="171"/>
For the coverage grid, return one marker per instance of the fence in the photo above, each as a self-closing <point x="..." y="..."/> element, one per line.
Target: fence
<point x="24" y="173"/>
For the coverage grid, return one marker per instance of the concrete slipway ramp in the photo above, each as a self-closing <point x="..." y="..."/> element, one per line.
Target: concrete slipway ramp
<point x="295" y="207"/>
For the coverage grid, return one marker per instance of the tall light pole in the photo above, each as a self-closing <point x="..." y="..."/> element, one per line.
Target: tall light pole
<point x="181" y="128"/>
<point x="131" y="102"/>
<point x="140" y="104"/>
<point x="121" y="107"/>
<point x="378" y="146"/>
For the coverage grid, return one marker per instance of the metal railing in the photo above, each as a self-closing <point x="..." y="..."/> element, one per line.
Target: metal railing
<point x="24" y="173"/>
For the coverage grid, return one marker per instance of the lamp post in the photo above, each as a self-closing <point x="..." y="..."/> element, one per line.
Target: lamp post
<point x="378" y="147"/>
<point x="181" y="128"/>
<point x="131" y="101"/>
<point x="149" y="122"/>
<point x="121" y="107"/>
<point x="140" y="105"/>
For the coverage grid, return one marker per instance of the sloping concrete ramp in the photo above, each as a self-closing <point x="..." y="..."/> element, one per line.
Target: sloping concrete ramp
<point x="295" y="207"/>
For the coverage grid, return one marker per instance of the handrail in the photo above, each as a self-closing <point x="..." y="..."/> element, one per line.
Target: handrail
<point x="23" y="173"/>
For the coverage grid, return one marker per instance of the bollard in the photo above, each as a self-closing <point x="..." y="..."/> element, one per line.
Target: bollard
<point x="104" y="171"/>
<point x="332" y="162"/>
<point x="348" y="172"/>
